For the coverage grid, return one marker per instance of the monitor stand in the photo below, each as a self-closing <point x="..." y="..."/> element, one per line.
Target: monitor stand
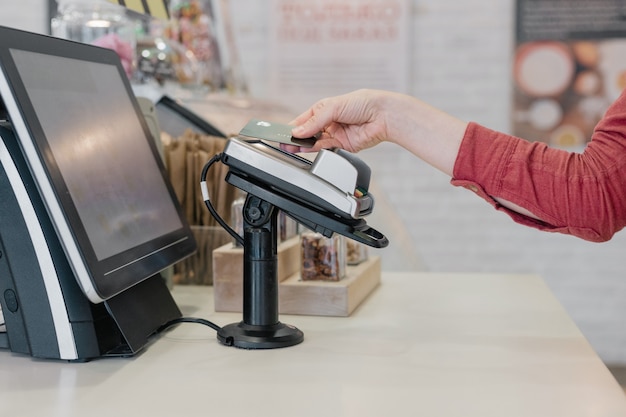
<point x="45" y="311"/>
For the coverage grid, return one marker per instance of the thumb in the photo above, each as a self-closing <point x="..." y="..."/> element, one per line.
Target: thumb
<point x="305" y="130"/>
<point x="314" y="120"/>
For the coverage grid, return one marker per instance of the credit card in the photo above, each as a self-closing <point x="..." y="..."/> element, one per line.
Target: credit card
<point x="275" y="132"/>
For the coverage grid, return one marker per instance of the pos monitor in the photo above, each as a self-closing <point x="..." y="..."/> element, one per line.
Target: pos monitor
<point x="86" y="203"/>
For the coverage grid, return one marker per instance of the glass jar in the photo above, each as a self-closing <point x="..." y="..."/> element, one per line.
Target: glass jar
<point x="287" y="227"/>
<point x="323" y="259"/>
<point x="193" y="25"/>
<point x="97" y="22"/>
<point x="163" y="60"/>
<point x="356" y="252"/>
<point x="236" y="217"/>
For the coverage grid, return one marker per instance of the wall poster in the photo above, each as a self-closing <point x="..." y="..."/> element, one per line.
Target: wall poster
<point x="320" y="48"/>
<point x="569" y="64"/>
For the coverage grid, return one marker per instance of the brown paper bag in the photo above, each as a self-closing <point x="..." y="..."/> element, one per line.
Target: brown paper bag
<point x="185" y="158"/>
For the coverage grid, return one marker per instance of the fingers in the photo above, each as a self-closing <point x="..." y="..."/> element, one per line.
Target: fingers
<point x="292" y="148"/>
<point x="335" y="119"/>
<point x="302" y="117"/>
<point x="322" y="143"/>
<point x="315" y="119"/>
<point x="306" y="128"/>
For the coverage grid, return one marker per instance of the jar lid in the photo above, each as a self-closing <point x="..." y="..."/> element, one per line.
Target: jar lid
<point x="92" y="4"/>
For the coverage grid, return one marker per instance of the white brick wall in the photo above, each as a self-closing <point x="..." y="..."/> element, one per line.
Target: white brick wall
<point x="31" y="15"/>
<point x="461" y="63"/>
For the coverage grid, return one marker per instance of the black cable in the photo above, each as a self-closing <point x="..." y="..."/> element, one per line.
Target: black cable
<point x="205" y="196"/>
<point x="234" y="234"/>
<point x="188" y="320"/>
<point x="207" y="201"/>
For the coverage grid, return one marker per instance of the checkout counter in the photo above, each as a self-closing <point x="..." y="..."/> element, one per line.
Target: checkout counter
<point x="420" y="344"/>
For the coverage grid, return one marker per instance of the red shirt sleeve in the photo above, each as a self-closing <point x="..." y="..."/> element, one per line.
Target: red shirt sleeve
<point x="582" y="194"/>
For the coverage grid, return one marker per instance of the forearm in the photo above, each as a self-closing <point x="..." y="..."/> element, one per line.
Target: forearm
<point x="579" y="194"/>
<point x="430" y="134"/>
<point x="364" y="118"/>
<point x="550" y="189"/>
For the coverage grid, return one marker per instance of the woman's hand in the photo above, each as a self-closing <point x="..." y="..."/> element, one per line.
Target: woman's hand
<point x="352" y="121"/>
<point x="365" y="118"/>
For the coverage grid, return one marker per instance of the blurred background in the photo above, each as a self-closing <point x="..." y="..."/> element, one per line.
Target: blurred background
<point x="458" y="56"/>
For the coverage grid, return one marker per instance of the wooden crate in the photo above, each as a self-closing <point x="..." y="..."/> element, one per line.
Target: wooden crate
<point x="228" y="272"/>
<point x="294" y="295"/>
<point x="326" y="298"/>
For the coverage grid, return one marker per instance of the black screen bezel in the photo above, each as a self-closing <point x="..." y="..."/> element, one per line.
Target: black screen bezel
<point x="116" y="273"/>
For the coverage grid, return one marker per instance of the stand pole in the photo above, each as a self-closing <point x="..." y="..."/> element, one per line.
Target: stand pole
<point x="260" y="328"/>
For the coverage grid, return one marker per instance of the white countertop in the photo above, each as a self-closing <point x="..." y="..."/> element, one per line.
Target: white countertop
<point x="421" y="344"/>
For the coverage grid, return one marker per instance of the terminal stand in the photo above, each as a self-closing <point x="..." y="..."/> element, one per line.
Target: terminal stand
<point x="260" y="328"/>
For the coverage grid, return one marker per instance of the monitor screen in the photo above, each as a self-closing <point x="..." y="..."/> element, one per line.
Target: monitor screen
<point x="94" y="161"/>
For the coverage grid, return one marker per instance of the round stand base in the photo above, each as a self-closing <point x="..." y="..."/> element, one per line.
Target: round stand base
<point x="247" y="336"/>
